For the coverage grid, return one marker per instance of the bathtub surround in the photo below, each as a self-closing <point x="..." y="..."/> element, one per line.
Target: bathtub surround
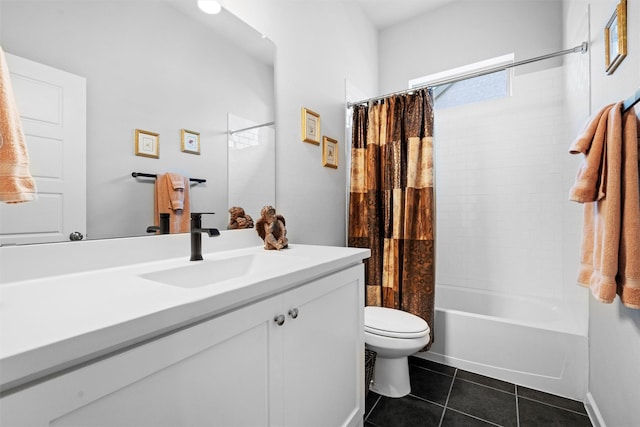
<point x="391" y="203"/>
<point x="16" y="183"/>
<point x="607" y="183"/>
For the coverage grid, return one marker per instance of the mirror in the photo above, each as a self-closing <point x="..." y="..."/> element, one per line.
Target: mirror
<point x="159" y="66"/>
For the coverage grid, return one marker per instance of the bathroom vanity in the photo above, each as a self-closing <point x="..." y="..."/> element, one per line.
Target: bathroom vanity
<point x="272" y="338"/>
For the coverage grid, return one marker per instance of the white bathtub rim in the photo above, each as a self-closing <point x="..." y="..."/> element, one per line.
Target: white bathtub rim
<point x="555" y="326"/>
<point x="567" y="311"/>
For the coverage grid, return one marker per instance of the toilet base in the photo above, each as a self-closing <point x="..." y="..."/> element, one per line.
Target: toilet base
<point x="391" y="377"/>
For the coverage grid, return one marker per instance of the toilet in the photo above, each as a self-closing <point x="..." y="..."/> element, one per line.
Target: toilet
<point x="393" y="335"/>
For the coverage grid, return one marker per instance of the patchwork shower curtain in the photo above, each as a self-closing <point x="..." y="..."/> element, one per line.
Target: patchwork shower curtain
<point x="391" y="203"/>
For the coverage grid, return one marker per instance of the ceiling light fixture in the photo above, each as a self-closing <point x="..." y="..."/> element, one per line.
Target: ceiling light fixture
<point x="211" y="7"/>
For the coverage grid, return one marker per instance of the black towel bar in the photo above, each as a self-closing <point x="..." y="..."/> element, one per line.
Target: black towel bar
<point x="153" y="175"/>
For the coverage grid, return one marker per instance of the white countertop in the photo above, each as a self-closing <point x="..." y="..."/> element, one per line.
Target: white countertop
<point x="53" y="323"/>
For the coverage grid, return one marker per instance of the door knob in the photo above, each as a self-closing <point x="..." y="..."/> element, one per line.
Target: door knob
<point x="293" y="313"/>
<point x="76" y="235"/>
<point x="279" y="319"/>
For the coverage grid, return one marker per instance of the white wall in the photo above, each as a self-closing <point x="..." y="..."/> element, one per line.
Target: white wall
<point x="614" y="331"/>
<point x="464" y="32"/>
<point x="319" y="45"/>
<point x="147" y="67"/>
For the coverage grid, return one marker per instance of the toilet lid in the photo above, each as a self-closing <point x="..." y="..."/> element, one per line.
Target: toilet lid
<point x="389" y="322"/>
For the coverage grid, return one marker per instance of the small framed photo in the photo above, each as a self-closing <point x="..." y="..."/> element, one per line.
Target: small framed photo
<point x="329" y="152"/>
<point x="147" y="144"/>
<point x="310" y="126"/>
<point x="615" y="38"/>
<point x="190" y="141"/>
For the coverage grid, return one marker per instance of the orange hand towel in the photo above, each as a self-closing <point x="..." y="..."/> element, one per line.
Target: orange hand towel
<point x="177" y="184"/>
<point x="607" y="183"/>
<point x="173" y="200"/>
<point x="590" y="182"/>
<point x="16" y="183"/>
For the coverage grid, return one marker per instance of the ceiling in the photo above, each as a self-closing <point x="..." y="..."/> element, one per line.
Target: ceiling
<point x="229" y="26"/>
<point x="385" y="13"/>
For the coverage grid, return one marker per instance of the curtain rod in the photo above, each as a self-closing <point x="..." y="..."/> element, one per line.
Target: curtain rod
<point x="251" y="127"/>
<point x="582" y="48"/>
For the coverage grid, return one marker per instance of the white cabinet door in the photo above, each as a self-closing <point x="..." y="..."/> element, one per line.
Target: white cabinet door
<point x="52" y="105"/>
<point x="217" y="373"/>
<point x="324" y="351"/>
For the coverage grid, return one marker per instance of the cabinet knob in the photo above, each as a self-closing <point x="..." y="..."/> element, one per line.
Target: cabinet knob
<point x="279" y="319"/>
<point x="293" y="313"/>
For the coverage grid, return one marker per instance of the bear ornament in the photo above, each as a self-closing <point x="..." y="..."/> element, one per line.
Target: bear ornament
<point x="238" y="219"/>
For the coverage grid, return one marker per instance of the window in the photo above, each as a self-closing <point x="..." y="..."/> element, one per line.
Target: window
<point x="475" y="89"/>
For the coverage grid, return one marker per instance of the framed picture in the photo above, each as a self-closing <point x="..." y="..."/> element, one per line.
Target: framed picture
<point x="615" y="38"/>
<point x="329" y="152"/>
<point x="190" y="141"/>
<point x="310" y="126"/>
<point x="147" y="144"/>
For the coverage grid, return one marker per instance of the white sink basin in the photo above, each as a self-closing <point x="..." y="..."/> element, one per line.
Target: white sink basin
<point x="210" y="271"/>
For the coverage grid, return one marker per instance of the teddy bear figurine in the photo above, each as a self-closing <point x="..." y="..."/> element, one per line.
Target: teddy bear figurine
<point x="238" y="219"/>
<point x="271" y="229"/>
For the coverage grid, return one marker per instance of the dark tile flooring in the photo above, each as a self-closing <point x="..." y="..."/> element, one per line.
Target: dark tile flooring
<point x="444" y="396"/>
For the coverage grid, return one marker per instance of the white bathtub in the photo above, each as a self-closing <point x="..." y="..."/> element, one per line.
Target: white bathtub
<point x="526" y="341"/>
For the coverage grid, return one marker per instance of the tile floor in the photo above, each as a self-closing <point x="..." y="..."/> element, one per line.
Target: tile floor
<point x="444" y="396"/>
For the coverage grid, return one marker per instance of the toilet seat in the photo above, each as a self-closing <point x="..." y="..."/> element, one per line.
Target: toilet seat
<point x="389" y="322"/>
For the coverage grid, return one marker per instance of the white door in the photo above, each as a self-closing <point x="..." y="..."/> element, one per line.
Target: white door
<point x="52" y="105"/>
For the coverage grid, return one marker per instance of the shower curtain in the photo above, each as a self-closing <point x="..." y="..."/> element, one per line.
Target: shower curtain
<point x="391" y="203"/>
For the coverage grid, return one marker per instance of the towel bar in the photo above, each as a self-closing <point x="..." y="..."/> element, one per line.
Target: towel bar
<point x="631" y="101"/>
<point x="153" y="175"/>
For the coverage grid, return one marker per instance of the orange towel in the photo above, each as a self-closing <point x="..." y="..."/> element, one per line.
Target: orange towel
<point x="607" y="183"/>
<point x="589" y="185"/>
<point x="172" y="196"/>
<point x="176" y="190"/>
<point x="16" y="183"/>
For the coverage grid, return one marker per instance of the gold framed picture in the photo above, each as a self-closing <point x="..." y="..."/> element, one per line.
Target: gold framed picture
<point x="615" y="38"/>
<point x="310" y="126"/>
<point x="190" y="141"/>
<point x="147" y="144"/>
<point x="329" y="152"/>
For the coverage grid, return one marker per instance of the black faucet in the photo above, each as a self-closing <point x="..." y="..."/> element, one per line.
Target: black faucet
<point x="163" y="228"/>
<point x="196" y="236"/>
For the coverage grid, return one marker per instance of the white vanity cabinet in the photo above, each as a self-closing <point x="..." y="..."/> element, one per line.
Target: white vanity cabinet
<point x="241" y="368"/>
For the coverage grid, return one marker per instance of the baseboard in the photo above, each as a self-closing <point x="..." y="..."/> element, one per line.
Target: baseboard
<point x="594" y="413"/>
